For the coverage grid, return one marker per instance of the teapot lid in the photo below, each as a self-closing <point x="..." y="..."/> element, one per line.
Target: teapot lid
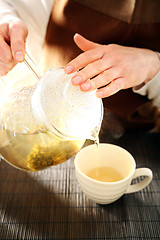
<point x="64" y="109"/>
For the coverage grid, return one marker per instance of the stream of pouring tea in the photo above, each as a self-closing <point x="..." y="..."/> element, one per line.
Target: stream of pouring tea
<point x="103" y="173"/>
<point x="96" y="141"/>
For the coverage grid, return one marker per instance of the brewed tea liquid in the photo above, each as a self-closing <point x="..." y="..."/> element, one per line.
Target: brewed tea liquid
<point x="96" y="141"/>
<point x="37" y="151"/>
<point x="104" y="174"/>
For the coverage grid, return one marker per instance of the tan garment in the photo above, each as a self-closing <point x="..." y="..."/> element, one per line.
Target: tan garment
<point x="132" y="23"/>
<point x="130" y="11"/>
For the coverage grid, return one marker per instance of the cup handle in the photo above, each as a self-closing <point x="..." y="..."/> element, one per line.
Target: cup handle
<point x="139" y="186"/>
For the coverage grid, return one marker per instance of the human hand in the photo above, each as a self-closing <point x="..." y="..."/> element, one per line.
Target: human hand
<point x="12" y="44"/>
<point x="110" y="68"/>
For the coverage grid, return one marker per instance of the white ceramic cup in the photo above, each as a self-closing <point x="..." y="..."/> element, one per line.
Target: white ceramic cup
<point x="109" y="155"/>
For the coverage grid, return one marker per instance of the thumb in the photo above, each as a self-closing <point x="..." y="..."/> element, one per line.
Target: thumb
<point x="18" y="33"/>
<point x="83" y="43"/>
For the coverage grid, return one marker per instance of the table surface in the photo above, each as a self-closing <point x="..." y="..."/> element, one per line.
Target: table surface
<point x="50" y="204"/>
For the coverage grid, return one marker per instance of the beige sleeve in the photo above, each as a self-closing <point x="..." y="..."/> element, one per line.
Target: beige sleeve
<point x="151" y="89"/>
<point x="7" y="10"/>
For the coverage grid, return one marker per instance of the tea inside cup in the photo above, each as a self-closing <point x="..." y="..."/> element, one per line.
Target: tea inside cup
<point x="105" y="162"/>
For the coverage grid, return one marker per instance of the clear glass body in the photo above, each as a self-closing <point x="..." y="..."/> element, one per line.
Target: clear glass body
<point x="32" y="143"/>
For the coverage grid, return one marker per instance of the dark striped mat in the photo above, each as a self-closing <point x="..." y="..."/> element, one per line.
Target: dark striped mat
<point x="50" y="204"/>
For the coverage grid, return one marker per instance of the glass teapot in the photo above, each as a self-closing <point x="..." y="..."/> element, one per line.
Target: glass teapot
<point x="44" y="122"/>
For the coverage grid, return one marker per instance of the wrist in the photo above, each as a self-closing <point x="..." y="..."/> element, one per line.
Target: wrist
<point x="155" y="66"/>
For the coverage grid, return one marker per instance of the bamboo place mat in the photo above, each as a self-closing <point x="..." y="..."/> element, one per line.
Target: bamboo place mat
<point x="50" y="204"/>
